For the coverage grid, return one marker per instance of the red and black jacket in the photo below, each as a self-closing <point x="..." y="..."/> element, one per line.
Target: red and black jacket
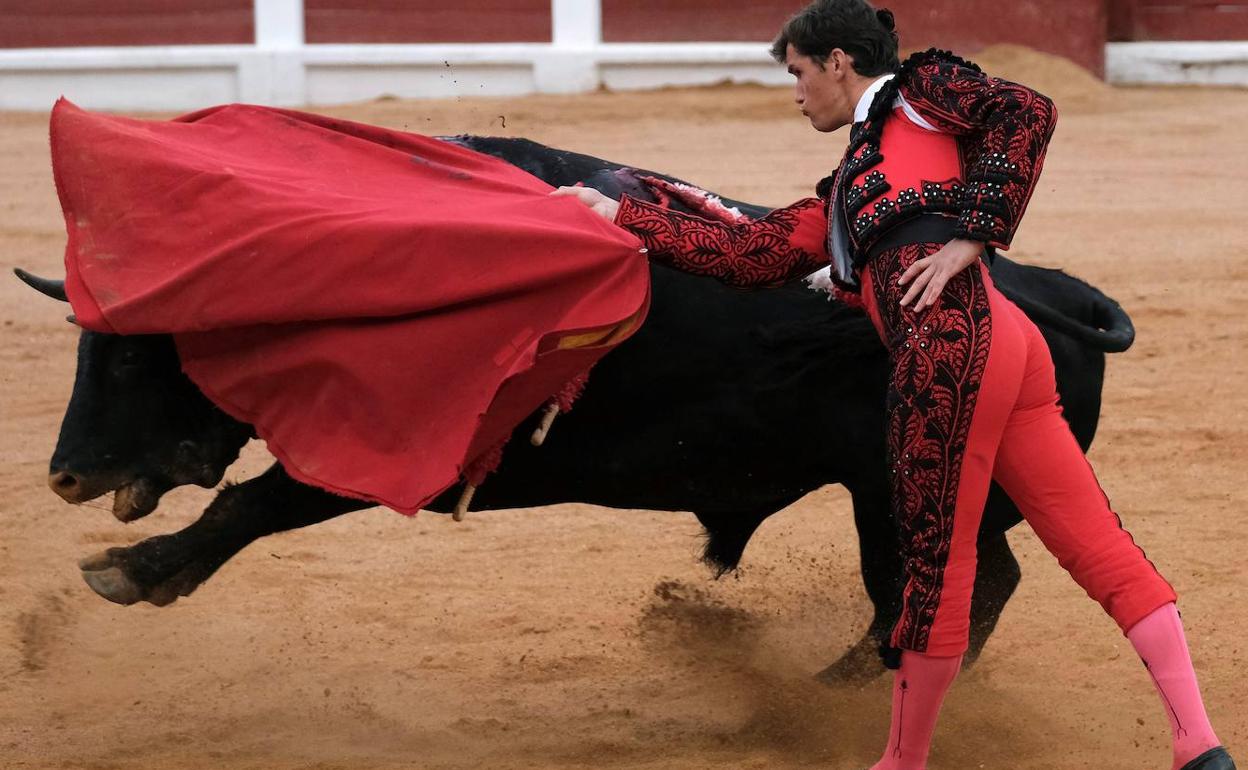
<point x="1001" y="132"/>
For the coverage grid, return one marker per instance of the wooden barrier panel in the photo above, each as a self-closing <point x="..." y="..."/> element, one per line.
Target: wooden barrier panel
<point x="1075" y="29"/>
<point x="62" y="23"/>
<point x="1178" y="20"/>
<point x="1071" y="28"/>
<point x="664" y="21"/>
<point x="427" y="21"/>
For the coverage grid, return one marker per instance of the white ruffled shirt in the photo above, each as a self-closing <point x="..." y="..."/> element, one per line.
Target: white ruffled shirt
<point x="864" y="105"/>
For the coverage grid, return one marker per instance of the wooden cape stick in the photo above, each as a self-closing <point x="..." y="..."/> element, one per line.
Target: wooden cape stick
<point x="465" y="500"/>
<point x="548" y="419"/>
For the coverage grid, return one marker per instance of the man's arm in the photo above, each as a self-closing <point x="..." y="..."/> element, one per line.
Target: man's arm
<point x="1012" y="125"/>
<point x="787" y="243"/>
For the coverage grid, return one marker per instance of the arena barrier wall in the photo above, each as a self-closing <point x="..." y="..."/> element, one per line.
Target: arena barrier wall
<point x="183" y="54"/>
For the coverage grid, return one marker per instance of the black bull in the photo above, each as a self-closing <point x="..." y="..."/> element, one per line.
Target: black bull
<point x="729" y="404"/>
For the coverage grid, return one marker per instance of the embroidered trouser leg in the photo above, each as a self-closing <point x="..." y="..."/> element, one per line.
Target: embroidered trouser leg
<point x="972" y="397"/>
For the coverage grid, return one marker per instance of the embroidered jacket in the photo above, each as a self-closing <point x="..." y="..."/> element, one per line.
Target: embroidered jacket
<point x="896" y="172"/>
<point x="1002" y="131"/>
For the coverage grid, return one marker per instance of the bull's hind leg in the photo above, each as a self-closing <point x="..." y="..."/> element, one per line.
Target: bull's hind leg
<point x="997" y="575"/>
<point x="162" y="568"/>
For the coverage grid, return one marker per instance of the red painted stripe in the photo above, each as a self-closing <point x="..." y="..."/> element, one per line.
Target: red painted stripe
<point x="1076" y="32"/>
<point x="427" y="21"/>
<point x="1178" y="20"/>
<point x="663" y="21"/>
<point x="41" y="24"/>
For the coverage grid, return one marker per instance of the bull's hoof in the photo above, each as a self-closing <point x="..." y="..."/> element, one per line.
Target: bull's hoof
<point x="114" y="585"/>
<point x="97" y="561"/>
<point x="105" y="572"/>
<point x="859" y="665"/>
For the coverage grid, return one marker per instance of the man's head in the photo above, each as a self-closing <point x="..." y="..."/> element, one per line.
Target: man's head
<point x="835" y="48"/>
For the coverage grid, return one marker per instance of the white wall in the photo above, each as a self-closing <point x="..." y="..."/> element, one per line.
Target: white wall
<point x="1208" y="64"/>
<point x="281" y="69"/>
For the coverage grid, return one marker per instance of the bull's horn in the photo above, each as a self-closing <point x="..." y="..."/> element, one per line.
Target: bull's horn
<point x="45" y="286"/>
<point x="464" y="501"/>
<point x="548" y="419"/>
<point x="73" y="319"/>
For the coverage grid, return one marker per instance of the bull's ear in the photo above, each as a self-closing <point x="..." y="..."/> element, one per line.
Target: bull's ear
<point x="45" y="286"/>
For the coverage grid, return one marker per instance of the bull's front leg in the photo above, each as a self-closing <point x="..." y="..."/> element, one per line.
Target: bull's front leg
<point x="881" y="565"/>
<point x="996" y="576"/>
<point x="162" y="568"/>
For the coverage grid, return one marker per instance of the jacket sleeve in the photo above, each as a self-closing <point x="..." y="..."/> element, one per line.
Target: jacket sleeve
<point x="787" y="243"/>
<point x="1007" y="128"/>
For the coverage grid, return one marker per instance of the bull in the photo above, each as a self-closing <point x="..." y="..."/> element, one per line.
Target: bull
<point x="729" y="404"/>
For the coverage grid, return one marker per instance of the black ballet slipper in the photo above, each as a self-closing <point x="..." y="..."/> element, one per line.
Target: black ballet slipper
<point x="1213" y="759"/>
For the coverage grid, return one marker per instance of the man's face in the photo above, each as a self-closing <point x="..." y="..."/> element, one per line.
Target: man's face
<point x="821" y="91"/>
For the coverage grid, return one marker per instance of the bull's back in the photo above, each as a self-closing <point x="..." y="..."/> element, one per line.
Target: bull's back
<point x="723" y="398"/>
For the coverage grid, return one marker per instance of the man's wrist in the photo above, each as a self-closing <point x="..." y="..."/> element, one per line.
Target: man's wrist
<point x="970" y="244"/>
<point x="965" y="250"/>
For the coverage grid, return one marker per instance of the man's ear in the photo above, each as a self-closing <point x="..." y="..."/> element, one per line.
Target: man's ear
<point x="839" y="62"/>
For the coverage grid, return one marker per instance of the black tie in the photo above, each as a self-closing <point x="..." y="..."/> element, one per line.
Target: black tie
<point x="855" y="131"/>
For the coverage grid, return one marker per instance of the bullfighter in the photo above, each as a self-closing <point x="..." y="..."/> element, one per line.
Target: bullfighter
<point x="941" y="163"/>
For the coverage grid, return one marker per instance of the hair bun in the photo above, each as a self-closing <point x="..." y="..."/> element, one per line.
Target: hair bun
<point x="886" y="19"/>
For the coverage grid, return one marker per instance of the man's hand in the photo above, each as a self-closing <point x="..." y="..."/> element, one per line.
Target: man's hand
<point x="931" y="273"/>
<point x="597" y="202"/>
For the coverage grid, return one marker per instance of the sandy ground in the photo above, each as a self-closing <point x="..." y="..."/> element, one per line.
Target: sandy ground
<point x="582" y="637"/>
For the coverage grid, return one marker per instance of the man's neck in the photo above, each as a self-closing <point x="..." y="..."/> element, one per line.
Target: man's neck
<point x="862" y="108"/>
<point x="858" y="86"/>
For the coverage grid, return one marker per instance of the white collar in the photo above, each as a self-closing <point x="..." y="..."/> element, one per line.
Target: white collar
<point x="864" y="104"/>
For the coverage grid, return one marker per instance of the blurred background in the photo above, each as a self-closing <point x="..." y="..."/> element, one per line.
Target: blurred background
<point x="178" y="54"/>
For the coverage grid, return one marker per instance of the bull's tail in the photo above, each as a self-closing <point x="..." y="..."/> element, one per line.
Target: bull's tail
<point x="727" y="534"/>
<point x="1109" y="329"/>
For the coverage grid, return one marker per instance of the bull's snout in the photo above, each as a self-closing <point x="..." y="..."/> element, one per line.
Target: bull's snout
<point x="134" y="499"/>
<point x="68" y="486"/>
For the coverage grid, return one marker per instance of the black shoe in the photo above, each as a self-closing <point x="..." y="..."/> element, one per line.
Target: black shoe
<point x="1213" y="759"/>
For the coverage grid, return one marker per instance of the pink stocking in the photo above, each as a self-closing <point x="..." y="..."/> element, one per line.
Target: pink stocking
<point x="1160" y="643"/>
<point x="919" y="688"/>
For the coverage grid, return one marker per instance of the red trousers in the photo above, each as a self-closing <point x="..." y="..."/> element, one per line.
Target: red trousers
<point x="972" y="398"/>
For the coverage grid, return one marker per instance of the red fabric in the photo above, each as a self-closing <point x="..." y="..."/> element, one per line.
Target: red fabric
<point x="941" y="466"/>
<point x="912" y="155"/>
<point x="908" y="172"/>
<point x="382" y="306"/>
<point x="570" y="392"/>
<point x="785" y="244"/>
<point x="1005" y="130"/>
<point x="919" y="689"/>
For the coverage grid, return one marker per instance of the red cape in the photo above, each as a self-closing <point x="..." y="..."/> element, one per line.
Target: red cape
<point x="383" y="307"/>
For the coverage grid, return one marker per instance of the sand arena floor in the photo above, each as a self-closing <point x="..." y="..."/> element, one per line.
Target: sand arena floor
<point x="579" y="637"/>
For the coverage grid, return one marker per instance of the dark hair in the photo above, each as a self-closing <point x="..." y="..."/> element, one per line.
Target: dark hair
<point x="868" y="35"/>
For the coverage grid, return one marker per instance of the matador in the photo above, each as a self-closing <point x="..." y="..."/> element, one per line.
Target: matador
<point x="941" y="163"/>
